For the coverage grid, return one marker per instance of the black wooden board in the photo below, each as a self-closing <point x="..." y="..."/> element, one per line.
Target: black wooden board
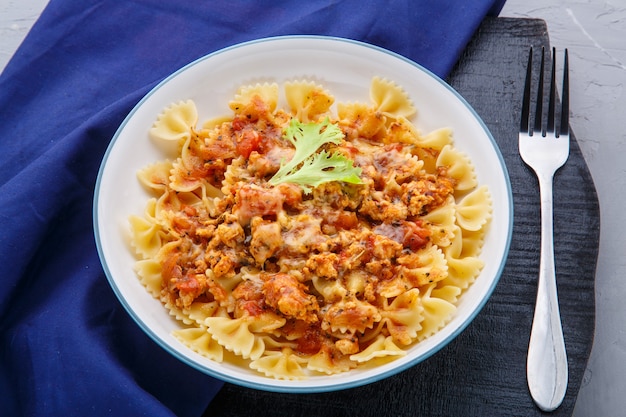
<point x="483" y="371"/>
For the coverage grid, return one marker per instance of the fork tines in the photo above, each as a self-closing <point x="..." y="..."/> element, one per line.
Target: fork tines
<point x="549" y="127"/>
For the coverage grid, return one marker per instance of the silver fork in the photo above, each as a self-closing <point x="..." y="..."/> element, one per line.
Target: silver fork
<point x="545" y="149"/>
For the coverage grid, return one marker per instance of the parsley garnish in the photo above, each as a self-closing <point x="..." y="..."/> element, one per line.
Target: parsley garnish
<point x="310" y="168"/>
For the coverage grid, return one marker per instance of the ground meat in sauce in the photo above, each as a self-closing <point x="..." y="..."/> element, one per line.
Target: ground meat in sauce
<point x="342" y="235"/>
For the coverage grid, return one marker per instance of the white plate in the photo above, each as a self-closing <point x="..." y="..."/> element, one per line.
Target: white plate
<point x="345" y="68"/>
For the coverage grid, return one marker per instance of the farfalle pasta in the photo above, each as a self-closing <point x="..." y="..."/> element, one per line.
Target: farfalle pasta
<point x="308" y="276"/>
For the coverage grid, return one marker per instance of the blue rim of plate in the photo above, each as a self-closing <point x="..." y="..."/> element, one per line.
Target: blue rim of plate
<point x="295" y="388"/>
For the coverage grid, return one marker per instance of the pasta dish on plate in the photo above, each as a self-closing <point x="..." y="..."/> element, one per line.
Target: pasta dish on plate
<point x="310" y="238"/>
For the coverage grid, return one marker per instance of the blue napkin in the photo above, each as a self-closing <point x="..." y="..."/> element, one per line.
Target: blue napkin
<point x="67" y="346"/>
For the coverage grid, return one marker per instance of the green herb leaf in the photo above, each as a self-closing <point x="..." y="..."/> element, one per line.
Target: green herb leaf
<point x="310" y="168"/>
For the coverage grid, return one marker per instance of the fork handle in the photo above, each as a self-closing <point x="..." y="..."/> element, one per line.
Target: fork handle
<point x="546" y="365"/>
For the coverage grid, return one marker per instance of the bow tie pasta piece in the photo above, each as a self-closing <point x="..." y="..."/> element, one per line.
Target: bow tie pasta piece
<point x="283" y="364"/>
<point x="308" y="101"/>
<point x="359" y="120"/>
<point x="330" y="289"/>
<point x="473" y="242"/>
<point x="424" y="266"/>
<point x="436" y="140"/>
<point x="395" y="286"/>
<point x="462" y="261"/>
<point x="199" y="311"/>
<point x="266" y="93"/>
<point x="442" y="224"/>
<point x="457" y="166"/>
<point x="429" y="146"/>
<point x="235" y="335"/>
<point x="401" y="130"/>
<point x="329" y="360"/>
<point x="176" y="122"/>
<point x="350" y="316"/>
<point x="462" y="271"/>
<point x="172" y="202"/>
<point x="266" y="322"/>
<point x="176" y="312"/>
<point x="221" y="282"/>
<point x="390" y="99"/>
<point x="381" y="347"/>
<point x="474" y="210"/>
<point x="182" y="179"/>
<point x="404" y="316"/>
<point x="449" y="293"/>
<point x="199" y="340"/>
<point x="204" y="156"/>
<point x="149" y="273"/>
<point x="156" y="177"/>
<point x="215" y="123"/>
<point x="437" y="312"/>
<point x="146" y="232"/>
